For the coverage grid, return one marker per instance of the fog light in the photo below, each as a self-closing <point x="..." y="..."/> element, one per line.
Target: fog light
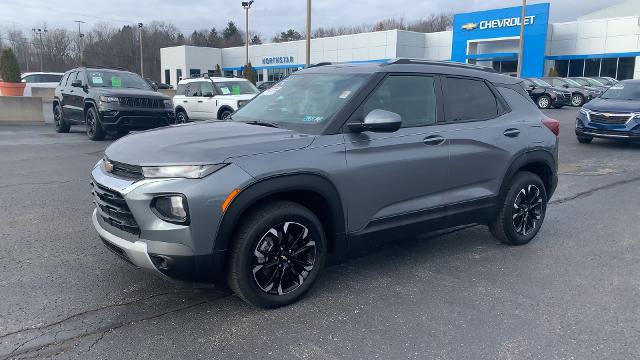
<point x="171" y="208"/>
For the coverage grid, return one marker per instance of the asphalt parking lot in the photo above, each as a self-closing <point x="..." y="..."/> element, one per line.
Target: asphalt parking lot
<point x="570" y="294"/>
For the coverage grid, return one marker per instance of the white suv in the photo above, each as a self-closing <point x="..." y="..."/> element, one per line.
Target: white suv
<point x="210" y="98"/>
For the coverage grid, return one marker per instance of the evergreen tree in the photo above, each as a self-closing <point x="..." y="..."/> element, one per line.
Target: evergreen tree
<point x="9" y="69"/>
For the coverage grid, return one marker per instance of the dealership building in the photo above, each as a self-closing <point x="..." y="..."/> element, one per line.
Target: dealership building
<point x="602" y="43"/>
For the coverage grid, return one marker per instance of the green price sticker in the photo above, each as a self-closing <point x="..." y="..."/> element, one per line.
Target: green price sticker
<point x="235" y="89"/>
<point x="116" y="82"/>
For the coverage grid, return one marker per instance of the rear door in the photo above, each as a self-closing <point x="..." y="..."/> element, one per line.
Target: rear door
<point x="484" y="135"/>
<point x="209" y="110"/>
<point x="193" y="101"/>
<point x="398" y="177"/>
<point x="67" y="92"/>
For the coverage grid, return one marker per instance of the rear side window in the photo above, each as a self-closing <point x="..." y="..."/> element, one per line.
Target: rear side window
<point x="64" y="79"/>
<point x="469" y="99"/>
<point x="194" y="89"/>
<point x="413" y="97"/>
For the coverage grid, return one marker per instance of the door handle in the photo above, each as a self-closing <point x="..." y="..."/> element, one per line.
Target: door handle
<point x="511" y="132"/>
<point x="433" y="140"/>
<point x="185" y="101"/>
<point x="199" y="101"/>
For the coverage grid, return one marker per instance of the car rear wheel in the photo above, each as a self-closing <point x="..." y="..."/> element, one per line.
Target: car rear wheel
<point x="577" y="100"/>
<point x="544" y="102"/>
<point x="521" y="210"/>
<point x="277" y="254"/>
<point x="181" y="117"/>
<point x="585" y="139"/>
<point x="225" y="114"/>
<point x="62" y="126"/>
<point x="95" y="131"/>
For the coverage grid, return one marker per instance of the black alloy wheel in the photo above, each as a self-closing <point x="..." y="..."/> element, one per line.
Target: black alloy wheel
<point x="94" y="128"/>
<point x="62" y="126"/>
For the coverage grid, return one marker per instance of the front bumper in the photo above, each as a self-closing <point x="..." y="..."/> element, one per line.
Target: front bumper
<point x="140" y="119"/>
<point x="180" y="252"/>
<point x="586" y="128"/>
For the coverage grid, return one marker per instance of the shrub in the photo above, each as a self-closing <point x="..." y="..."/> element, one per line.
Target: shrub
<point x="553" y="72"/>
<point x="218" y="71"/>
<point x="9" y="68"/>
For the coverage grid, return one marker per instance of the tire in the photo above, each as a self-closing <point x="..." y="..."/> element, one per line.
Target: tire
<point x="577" y="100"/>
<point x="181" y="117"/>
<point x="527" y="193"/>
<point x="62" y="126"/>
<point x="544" y="102"/>
<point x="256" y="243"/>
<point x="224" y="114"/>
<point x="94" y="130"/>
<point x="585" y="139"/>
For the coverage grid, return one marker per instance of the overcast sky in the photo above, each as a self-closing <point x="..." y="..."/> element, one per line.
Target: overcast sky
<point x="266" y="17"/>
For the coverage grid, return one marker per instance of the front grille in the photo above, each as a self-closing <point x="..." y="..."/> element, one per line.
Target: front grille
<point x="607" y="118"/>
<point x="146" y="103"/>
<point x="126" y="171"/>
<point x="114" y="209"/>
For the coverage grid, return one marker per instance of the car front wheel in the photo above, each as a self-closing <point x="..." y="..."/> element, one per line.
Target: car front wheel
<point x="577" y="100"/>
<point x="544" y="102"/>
<point x="95" y="131"/>
<point x="277" y="254"/>
<point x="521" y="210"/>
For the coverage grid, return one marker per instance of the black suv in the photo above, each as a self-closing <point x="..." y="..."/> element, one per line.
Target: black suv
<point x="545" y="95"/>
<point x="108" y="101"/>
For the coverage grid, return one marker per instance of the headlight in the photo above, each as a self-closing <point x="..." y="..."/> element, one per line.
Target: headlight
<point x="242" y="103"/>
<point x="168" y="104"/>
<point x="181" y="171"/>
<point x="557" y="92"/>
<point x="585" y="111"/>
<point x="171" y="208"/>
<point x="108" y="99"/>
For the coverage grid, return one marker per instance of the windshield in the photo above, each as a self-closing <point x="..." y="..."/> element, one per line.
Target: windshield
<point x="116" y="80"/>
<point x="594" y="82"/>
<point x="623" y="91"/>
<point x="540" y="82"/>
<point x="236" y="88"/>
<point x="302" y="99"/>
<point x="572" y="82"/>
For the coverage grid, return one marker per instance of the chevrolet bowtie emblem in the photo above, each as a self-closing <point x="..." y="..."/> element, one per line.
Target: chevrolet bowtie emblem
<point x="108" y="166"/>
<point x="607" y="115"/>
<point x="469" y="26"/>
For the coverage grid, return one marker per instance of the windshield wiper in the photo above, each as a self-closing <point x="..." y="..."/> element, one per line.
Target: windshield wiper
<point x="262" y="123"/>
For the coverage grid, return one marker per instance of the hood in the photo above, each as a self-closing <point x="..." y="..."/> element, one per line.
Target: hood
<point x="611" y="105"/>
<point x="203" y="143"/>
<point x="131" y="93"/>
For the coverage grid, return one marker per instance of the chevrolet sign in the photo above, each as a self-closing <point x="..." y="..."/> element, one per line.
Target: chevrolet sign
<point x="469" y="26"/>
<point x="507" y="22"/>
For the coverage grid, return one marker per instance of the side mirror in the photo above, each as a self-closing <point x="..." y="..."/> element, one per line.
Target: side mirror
<point x="76" y="83"/>
<point x="378" y="121"/>
<point x="154" y="87"/>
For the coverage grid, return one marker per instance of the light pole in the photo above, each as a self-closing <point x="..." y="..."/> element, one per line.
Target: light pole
<point x="39" y="33"/>
<point x="521" y="45"/>
<point x="141" y="57"/>
<point x="80" y="36"/>
<point x="247" y="5"/>
<point x="308" y="61"/>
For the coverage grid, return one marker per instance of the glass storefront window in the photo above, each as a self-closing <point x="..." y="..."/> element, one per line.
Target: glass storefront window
<point x="562" y="67"/>
<point x="576" y="67"/>
<point x="592" y="67"/>
<point x="626" y="65"/>
<point x="609" y="67"/>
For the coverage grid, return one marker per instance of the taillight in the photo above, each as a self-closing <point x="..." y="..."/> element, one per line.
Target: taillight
<point x="553" y="125"/>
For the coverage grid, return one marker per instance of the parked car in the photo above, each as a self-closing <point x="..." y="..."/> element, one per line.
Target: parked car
<point x="210" y="98"/>
<point x="606" y="81"/>
<point x="158" y="86"/>
<point x="592" y="83"/>
<point x="579" y="94"/>
<point x="265" y="85"/>
<point x="545" y="95"/>
<point x="48" y="80"/>
<point x="614" y="115"/>
<point x="108" y="100"/>
<point x="332" y="158"/>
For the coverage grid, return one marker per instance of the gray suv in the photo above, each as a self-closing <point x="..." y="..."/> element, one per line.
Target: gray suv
<point x="331" y="159"/>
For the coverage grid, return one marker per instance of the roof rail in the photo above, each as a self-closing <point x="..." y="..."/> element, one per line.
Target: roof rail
<point x="399" y="61"/>
<point x="324" y="63"/>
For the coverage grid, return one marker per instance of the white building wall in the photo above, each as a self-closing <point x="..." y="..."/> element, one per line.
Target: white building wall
<point x="437" y="46"/>
<point x="625" y="8"/>
<point x="185" y="58"/>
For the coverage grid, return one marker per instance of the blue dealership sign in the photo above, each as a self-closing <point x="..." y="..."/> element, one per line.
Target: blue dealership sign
<point x="504" y="23"/>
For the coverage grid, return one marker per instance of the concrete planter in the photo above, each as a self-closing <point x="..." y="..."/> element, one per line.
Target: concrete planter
<point x="12" y="89"/>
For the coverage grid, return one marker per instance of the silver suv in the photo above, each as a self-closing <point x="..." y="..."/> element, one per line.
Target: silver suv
<point x="330" y="159"/>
